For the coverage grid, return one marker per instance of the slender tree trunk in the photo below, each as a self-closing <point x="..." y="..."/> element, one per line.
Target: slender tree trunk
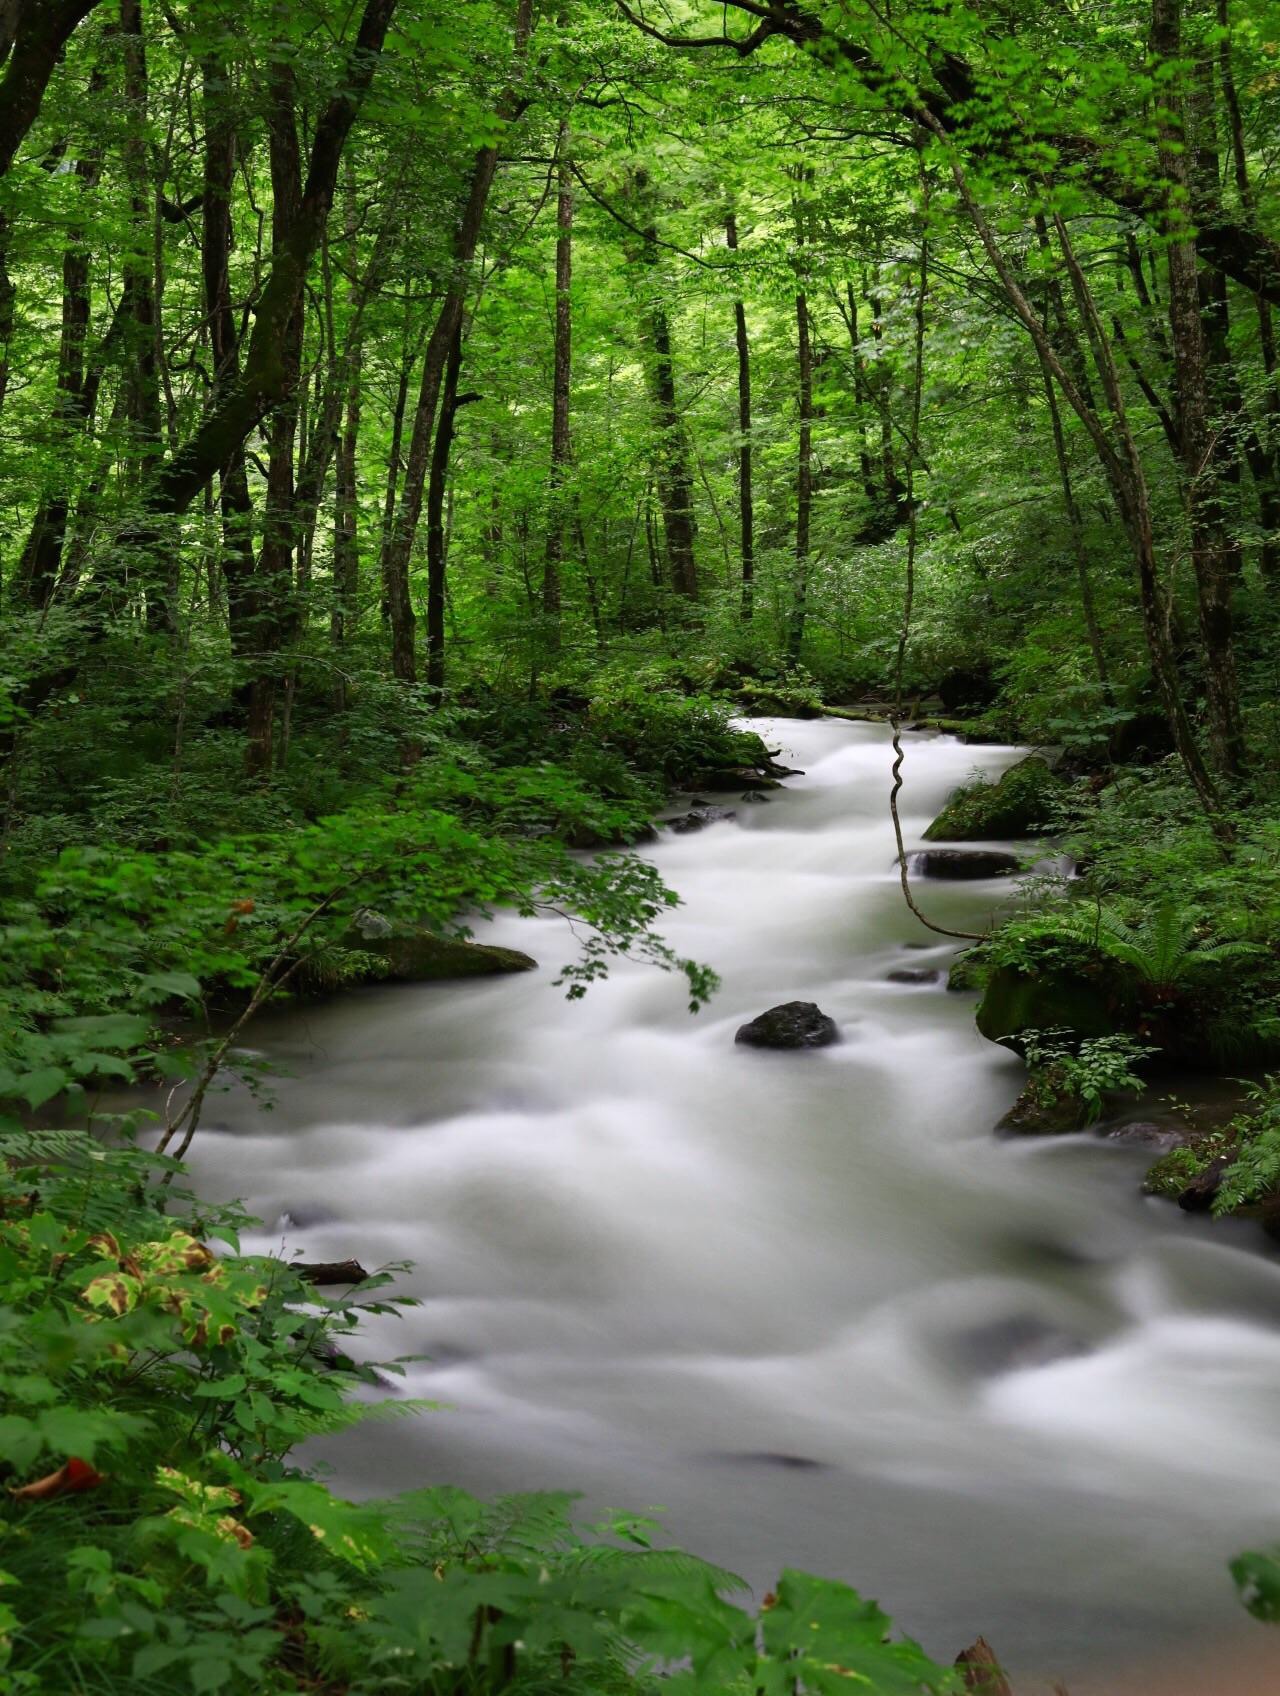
<point x="1122" y="462"/>
<point x="274" y="586"/>
<point x="235" y="506"/>
<point x="562" y="380"/>
<point x="1211" y="552"/>
<point x="861" y="392"/>
<point x="408" y="359"/>
<point x="41" y="559"/>
<point x="746" y="506"/>
<point x="436" y="539"/>
<point x="400" y="540"/>
<point x="142" y="374"/>
<point x="1262" y="447"/>
<point x="346" y="542"/>
<point x="672" y="476"/>
<point x="804" y="454"/>
<point x="36" y="34"/>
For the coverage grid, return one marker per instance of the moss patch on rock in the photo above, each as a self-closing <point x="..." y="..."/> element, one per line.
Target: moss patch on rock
<point x="415" y="956"/>
<point x="1020" y="804"/>
<point x="1086" y="999"/>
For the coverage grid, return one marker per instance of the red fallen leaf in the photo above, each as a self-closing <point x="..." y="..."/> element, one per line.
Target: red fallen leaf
<point x="238" y="909"/>
<point x="76" y="1475"/>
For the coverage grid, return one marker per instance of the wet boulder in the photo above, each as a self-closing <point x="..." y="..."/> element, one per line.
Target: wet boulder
<point x="962" y="865"/>
<point x="421" y="956"/>
<point x="968" y="972"/>
<point x="794" y="1024"/>
<point x="1201" y="1191"/>
<point x="698" y="818"/>
<point x="1020" y="804"/>
<point x="1089" y="1000"/>
<point x="1044" y="1108"/>
<point x="1149" y="1134"/>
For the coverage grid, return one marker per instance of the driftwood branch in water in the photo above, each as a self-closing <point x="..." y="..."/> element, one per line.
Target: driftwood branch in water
<point x="330" y="1271"/>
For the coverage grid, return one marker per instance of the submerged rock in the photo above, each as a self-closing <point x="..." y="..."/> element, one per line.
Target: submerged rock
<point x="1020" y="804"/>
<point x="794" y="1024"/>
<point x="699" y="817"/>
<point x="913" y="974"/>
<point x="962" y="864"/>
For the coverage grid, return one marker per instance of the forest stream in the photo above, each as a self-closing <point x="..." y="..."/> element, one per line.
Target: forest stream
<point x="807" y="1301"/>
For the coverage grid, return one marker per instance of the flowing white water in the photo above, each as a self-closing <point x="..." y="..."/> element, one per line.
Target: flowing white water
<point x="806" y="1301"/>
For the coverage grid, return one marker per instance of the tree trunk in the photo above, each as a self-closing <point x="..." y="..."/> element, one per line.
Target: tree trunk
<point x="265" y="378"/>
<point x="400" y="539"/>
<point x="804" y="455"/>
<point x="1211" y="553"/>
<point x="273" y="596"/>
<point x="672" y="475"/>
<point x="746" y="507"/>
<point x="562" y="379"/>
<point x="142" y="373"/>
<point x="41" y="560"/>
<point x="436" y="539"/>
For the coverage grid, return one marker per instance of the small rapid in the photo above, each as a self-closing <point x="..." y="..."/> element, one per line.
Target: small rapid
<point x="808" y="1302"/>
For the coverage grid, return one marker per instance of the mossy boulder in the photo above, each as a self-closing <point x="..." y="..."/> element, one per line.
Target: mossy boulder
<point x="372" y="952"/>
<point x="1053" y="989"/>
<point x="969" y="972"/>
<point x="420" y="956"/>
<point x="1020" y="804"/>
<point x="1046" y="1107"/>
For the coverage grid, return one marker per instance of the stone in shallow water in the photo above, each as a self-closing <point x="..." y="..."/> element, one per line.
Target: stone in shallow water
<point x="914" y="974"/>
<point x="793" y="1024"/>
<point x="699" y="818"/>
<point x="1147" y="1133"/>
<point x="1015" y="1343"/>
<point x="962" y="864"/>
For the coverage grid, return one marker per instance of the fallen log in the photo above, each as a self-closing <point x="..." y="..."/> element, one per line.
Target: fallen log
<point x="330" y="1271"/>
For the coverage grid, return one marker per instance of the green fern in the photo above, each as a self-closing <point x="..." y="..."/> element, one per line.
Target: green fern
<point x="1163" y="949"/>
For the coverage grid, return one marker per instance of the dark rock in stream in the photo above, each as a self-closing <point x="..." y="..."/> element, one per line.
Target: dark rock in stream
<point x="913" y="974"/>
<point x="1201" y="1193"/>
<point x="1046" y="1107"/>
<point x="700" y="817"/>
<point x="1010" y="1345"/>
<point x="416" y="955"/>
<point x="1147" y="1133"/>
<point x="794" y="1024"/>
<point x="957" y="865"/>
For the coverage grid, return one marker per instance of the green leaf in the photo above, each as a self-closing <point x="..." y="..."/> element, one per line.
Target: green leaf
<point x="42" y="1085"/>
